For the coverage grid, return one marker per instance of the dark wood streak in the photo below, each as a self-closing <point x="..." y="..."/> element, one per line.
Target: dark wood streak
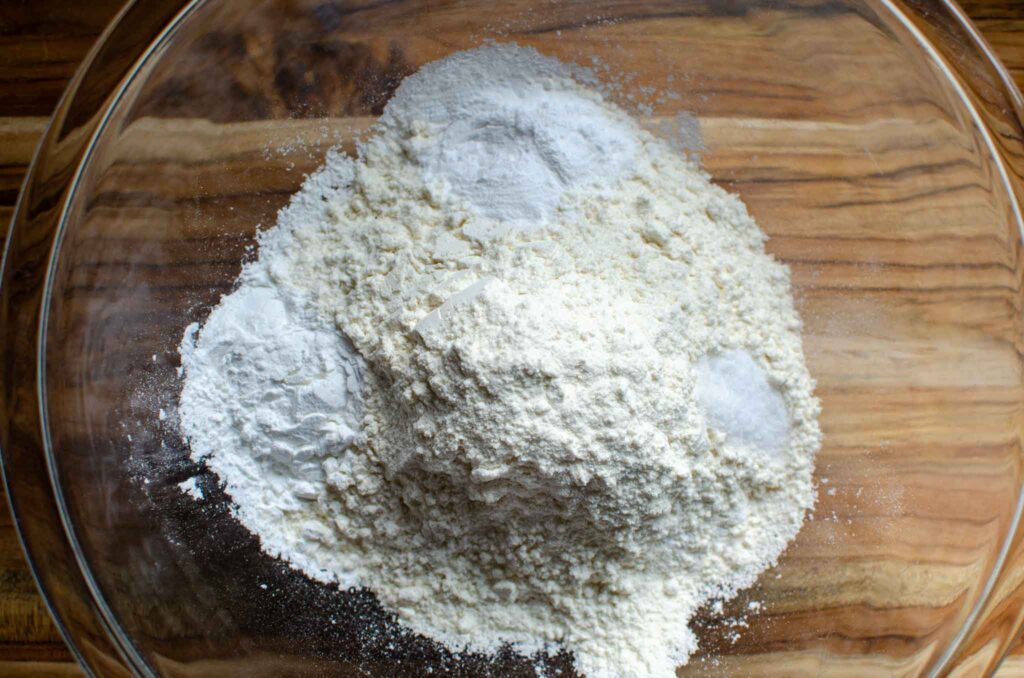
<point x="726" y="9"/>
<point x="909" y="198"/>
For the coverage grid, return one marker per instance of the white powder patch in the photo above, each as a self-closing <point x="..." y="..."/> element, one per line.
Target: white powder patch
<point x="191" y="488"/>
<point x="558" y="421"/>
<point x="741" y="407"/>
<point x="513" y="142"/>
<point x="270" y="391"/>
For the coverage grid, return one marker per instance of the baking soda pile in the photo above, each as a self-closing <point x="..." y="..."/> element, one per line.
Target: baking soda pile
<point x="520" y="369"/>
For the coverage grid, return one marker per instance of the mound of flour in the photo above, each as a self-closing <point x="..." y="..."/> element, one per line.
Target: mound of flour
<point x="520" y="369"/>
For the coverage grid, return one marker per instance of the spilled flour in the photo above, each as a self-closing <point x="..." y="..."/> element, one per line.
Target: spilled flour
<point x="520" y="369"/>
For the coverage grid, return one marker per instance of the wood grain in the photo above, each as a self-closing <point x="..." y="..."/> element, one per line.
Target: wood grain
<point x="1002" y="24"/>
<point x="41" y="43"/>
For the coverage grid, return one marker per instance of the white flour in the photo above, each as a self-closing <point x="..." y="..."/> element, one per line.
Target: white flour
<point x="574" y="407"/>
<point x="509" y="142"/>
<point x="192" y="489"/>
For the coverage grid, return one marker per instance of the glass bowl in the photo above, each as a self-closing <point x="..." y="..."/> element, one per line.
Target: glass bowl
<point x="877" y="142"/>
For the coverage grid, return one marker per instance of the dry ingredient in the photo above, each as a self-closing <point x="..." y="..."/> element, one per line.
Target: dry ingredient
<point x="520" y="369"/>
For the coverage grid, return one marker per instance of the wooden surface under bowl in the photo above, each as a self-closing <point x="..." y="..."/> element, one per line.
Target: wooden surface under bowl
<point x="40" y="53"/>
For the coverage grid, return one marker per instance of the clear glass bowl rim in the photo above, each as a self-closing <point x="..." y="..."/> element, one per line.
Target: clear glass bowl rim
<point x="925" y="19"/>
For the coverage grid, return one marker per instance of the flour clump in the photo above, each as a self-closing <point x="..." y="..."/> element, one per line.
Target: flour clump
<point x="534" y="379"/>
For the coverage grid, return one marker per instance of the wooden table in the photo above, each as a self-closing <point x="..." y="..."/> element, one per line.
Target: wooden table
<point x="41" y="43"/>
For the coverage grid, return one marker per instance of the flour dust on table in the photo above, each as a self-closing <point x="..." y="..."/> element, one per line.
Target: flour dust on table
<point x="519" y="368"/>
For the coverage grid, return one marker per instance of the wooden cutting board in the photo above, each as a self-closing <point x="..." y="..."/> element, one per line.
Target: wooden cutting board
<point x="41" y="43"/>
